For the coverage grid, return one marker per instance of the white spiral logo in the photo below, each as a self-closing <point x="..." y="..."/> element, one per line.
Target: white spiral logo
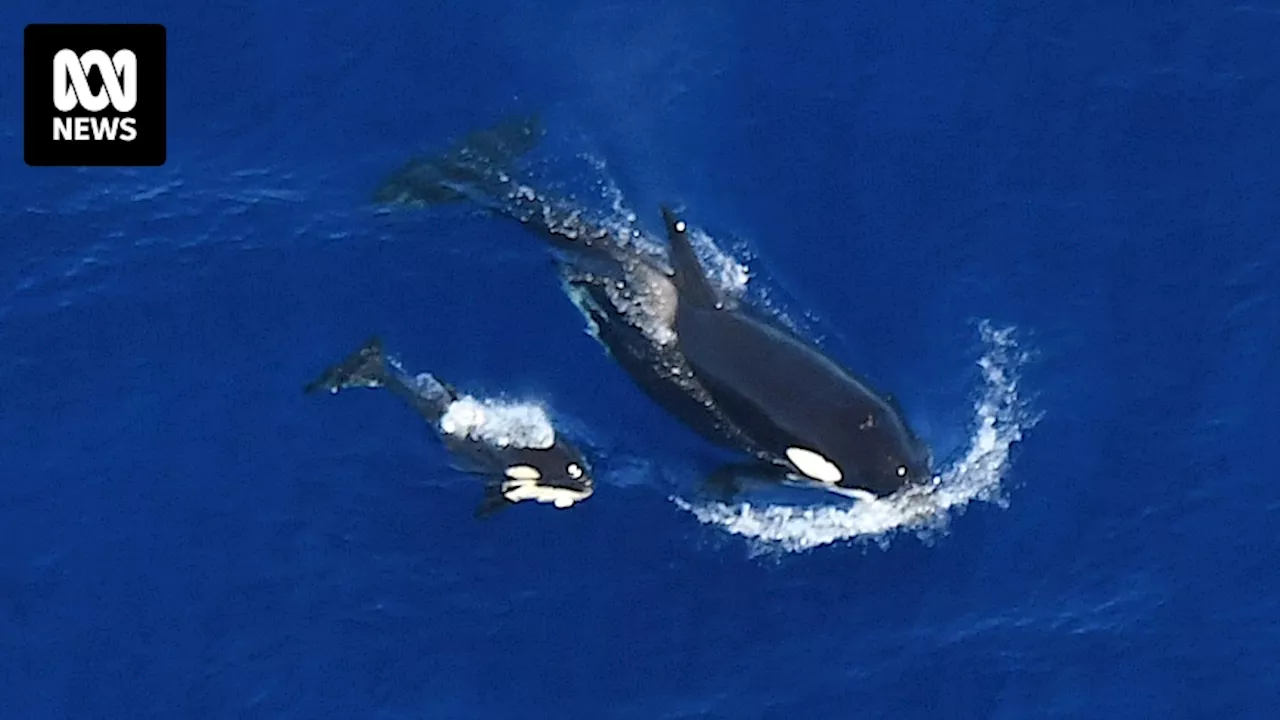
<point x="119" y="80"/>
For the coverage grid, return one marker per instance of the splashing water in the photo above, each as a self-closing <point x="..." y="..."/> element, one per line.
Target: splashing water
<point x="727" y="271"/>
<point x="1000" y="418"/>
<point x="499" y="423"/>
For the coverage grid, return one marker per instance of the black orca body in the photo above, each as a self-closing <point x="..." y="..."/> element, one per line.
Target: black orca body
<point x="798" y="405"/>
<point x="551" y="470"/>
<point x="721" y="372"/>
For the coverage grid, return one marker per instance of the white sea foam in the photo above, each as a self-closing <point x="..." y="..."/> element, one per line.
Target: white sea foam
<point x="501" y="423"/>
<point x="1000" y="418"/>
<point x="726" y="271"/>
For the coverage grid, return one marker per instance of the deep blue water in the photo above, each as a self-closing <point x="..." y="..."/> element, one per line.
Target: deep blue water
<point x="1060" y="220"/>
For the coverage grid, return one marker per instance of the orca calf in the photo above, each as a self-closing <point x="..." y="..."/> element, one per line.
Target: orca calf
<point x="513" y="446"/>
<point x="740" y="381"/>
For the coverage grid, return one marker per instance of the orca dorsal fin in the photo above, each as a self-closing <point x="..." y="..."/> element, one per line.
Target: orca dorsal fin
<point x="691" y="282"/>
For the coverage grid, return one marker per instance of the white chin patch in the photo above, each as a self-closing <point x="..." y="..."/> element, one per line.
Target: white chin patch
<point x="518" y="490"/>
<point x="814" y="465"/>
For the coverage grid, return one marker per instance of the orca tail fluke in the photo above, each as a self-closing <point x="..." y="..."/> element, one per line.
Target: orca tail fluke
<point x="365" y="367"/>
<point x="477" y="167"/>
<point x="486" y="169"/>
<point x="728" y="481"/>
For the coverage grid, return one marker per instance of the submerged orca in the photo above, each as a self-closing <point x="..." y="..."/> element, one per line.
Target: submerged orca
<point x="514" y="447"/>
<point x="721" y="372"/>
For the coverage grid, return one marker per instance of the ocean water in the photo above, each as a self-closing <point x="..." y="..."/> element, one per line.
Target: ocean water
<point x="1049" y="230"/>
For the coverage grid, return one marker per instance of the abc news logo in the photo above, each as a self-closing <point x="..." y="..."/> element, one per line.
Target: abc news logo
<point x="71" y="89"/>
<point x="107" y="105"/>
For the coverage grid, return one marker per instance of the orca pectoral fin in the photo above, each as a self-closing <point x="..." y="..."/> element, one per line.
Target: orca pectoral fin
<point x="723" y="484"/>
<point x="492" y="503"/>
<point x="730" y="480"/>
<point x="691" y="282"/>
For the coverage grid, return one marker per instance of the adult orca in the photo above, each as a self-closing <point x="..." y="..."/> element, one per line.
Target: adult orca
<point x="633" y="299"/>
<point x="802" y="408"/>
<point x="513" y="446"/>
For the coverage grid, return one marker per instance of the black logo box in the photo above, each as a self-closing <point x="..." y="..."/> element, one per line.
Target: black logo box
<point x="148" y="43"/>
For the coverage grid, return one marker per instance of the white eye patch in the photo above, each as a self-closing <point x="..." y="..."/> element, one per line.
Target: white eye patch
<point x="814" y="465"/>
<point x="523" y="472"/>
